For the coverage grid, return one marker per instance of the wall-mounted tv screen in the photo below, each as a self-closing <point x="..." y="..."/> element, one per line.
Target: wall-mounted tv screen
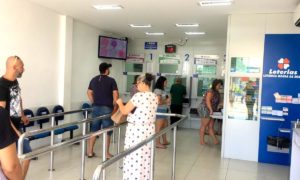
<point x="112" y="48"/>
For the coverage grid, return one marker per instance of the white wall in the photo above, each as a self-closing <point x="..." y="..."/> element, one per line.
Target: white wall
<point x="32" y="32"/>
<point x="85" y="62"/>
<point x="246" y="33"/>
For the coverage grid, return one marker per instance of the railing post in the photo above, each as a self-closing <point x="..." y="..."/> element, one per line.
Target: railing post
<point x="104" y="153"/>
<point x="174" y="153"/>
<point x="119" y="139"/>
<point x="52" y="143"/>
<point x="152" y="159"/>
<point x="83" y="146"/>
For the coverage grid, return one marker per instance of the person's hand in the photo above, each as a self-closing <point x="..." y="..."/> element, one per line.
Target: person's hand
<point x="119" y="101"/>
<point x="211" y="112"/>
<point x="25" y="120"/>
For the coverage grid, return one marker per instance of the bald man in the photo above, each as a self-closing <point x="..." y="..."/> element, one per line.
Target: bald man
<point x="10" y="99"/>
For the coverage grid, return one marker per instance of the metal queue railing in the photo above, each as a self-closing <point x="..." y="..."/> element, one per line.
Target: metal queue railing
<point x="53" y="146"/>
<point x="100" y="170"/>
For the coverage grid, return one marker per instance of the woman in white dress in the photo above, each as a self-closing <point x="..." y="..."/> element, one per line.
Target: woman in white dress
<point x="141" y="110"/>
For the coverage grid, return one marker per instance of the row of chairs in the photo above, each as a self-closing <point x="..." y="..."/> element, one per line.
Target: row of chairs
<point x="45" y="111"/>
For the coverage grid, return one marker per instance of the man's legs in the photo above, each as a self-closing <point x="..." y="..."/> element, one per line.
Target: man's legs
<point x="25" y="166"/>
<point x="95" y="126"/>
<point x="106" y="123"/>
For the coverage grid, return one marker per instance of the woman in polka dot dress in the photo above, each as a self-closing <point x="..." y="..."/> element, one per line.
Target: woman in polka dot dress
<point x="141" y="110"/>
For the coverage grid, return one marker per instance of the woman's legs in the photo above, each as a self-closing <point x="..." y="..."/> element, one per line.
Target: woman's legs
<point x="164" y="136"/>
<point x="212" y="131"/>
<point x="159" y="125"/>
<point x="204" y="124"/>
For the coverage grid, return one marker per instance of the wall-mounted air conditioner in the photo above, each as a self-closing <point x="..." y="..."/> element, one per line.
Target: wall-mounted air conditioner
<point x="297" y="16"/>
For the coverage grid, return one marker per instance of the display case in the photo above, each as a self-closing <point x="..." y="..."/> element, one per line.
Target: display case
<point x="243" y="98"/>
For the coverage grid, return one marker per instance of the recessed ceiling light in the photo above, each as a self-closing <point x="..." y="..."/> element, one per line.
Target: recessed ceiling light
<point x="194" y="33"/>
<point x="155" y="33"/>
<point x="108" y="7"/>
<point x="140" y="25"/>
<point x="188" y="25"/>
<point x="215" y="3"/>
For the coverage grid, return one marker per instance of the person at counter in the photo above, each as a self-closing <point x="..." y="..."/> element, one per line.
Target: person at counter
<point x="209" y="104"/>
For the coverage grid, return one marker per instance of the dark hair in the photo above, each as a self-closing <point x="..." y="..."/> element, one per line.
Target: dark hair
<point x="215" y="83"/>
<point x="160" y="83"/>
<point x="103" y="67"/>
<point x="135" y="79"/>
<point x="146" y="78"/>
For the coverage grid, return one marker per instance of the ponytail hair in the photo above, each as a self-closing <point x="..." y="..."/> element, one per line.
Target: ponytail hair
<point x="146" y="78"/>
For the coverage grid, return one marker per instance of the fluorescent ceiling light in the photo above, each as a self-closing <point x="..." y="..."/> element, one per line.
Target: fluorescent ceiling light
<point x="215" y="3"/>
<point x="155" y="33"/>
<point x="194" y="33"/>
<point x="187" y="25"/>
<point x="140" y="25"/>
<point x="108" y="7"/>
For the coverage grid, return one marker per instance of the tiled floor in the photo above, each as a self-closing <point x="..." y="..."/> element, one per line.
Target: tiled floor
<point x="194" y="162"/>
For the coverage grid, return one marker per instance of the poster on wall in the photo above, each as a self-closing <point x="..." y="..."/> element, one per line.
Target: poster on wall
<point x="280" y="97"/>
<point x="135" y="58"/>
<point x="169" y="59"/>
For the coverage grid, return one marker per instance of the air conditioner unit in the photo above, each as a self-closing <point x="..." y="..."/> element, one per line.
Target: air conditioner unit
<point x="297" y="16"/>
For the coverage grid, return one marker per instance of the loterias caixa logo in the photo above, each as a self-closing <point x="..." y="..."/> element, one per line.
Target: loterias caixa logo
<point x="284" y="69"/>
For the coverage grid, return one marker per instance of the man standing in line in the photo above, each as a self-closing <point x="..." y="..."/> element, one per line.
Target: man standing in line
<point x="177" y="93"/>
<point x="10" y="99"/>
<point x="102" y="93"/>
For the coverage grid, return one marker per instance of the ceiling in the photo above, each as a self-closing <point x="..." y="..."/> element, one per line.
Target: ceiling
<point x="163" y="15"/>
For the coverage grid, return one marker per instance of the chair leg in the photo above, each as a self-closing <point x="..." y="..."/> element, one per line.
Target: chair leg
<point x="71" y="134"/>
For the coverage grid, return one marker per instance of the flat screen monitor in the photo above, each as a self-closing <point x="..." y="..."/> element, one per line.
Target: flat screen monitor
<point x="112" y="48"/>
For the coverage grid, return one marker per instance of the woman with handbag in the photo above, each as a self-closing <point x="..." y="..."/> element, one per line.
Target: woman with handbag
<point x="140" y="126"/>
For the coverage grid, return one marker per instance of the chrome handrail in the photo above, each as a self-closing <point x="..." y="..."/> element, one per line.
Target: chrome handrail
<point x="98" y="172"/>
<point x="58" y="114"/>
<point x="38" y="131"/>
<point x="66" y="143"/>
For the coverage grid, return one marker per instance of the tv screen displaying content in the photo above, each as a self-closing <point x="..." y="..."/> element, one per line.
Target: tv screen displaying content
<point x="112" y="48"/>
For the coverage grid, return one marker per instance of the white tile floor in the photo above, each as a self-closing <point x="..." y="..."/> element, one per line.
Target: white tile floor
<point x="194" y="162"/>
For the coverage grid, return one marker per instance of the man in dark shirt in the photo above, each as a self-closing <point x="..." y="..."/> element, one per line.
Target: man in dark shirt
<point x="177" y="93"/>
<point x="10" y="99"/>
<point x="9" y="162"/>
<point x="102" y="93"/>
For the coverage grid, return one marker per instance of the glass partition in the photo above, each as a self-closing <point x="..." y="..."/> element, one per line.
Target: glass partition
<point x="171" y="80"/>
<point x="206" y="69"/>
<point x="168" y="68"/>
<point x="243" y="98"/>
<point x="130" y="81"/>
<point x="204" y="83"/>
<point x="133" y="67"/>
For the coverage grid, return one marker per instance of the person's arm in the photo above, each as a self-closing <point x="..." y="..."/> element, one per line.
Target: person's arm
<point x="115" y="98"/>
<point x="90" y="95"/>
<point x="3" y="104"/>
<point x="208" y="102"/>
<point x="10" y="163"/>
<point x="125" y="109"/>
<point x="24" y="118"/>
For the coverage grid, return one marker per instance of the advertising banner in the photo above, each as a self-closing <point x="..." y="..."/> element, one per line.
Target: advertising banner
<point x="280" y="101"/>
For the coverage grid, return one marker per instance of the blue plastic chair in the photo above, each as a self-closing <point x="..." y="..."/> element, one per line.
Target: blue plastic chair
<point x="29" y="114"/>
<point x="86" y="106"/>
<point x="41" y="112"/>
<point x="59" y="109"/>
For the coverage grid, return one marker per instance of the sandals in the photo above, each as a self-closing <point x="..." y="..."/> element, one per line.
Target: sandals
<point x="167" y="143"/>
<point x="91" y="155"/>
<point x="161" y="146"/>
